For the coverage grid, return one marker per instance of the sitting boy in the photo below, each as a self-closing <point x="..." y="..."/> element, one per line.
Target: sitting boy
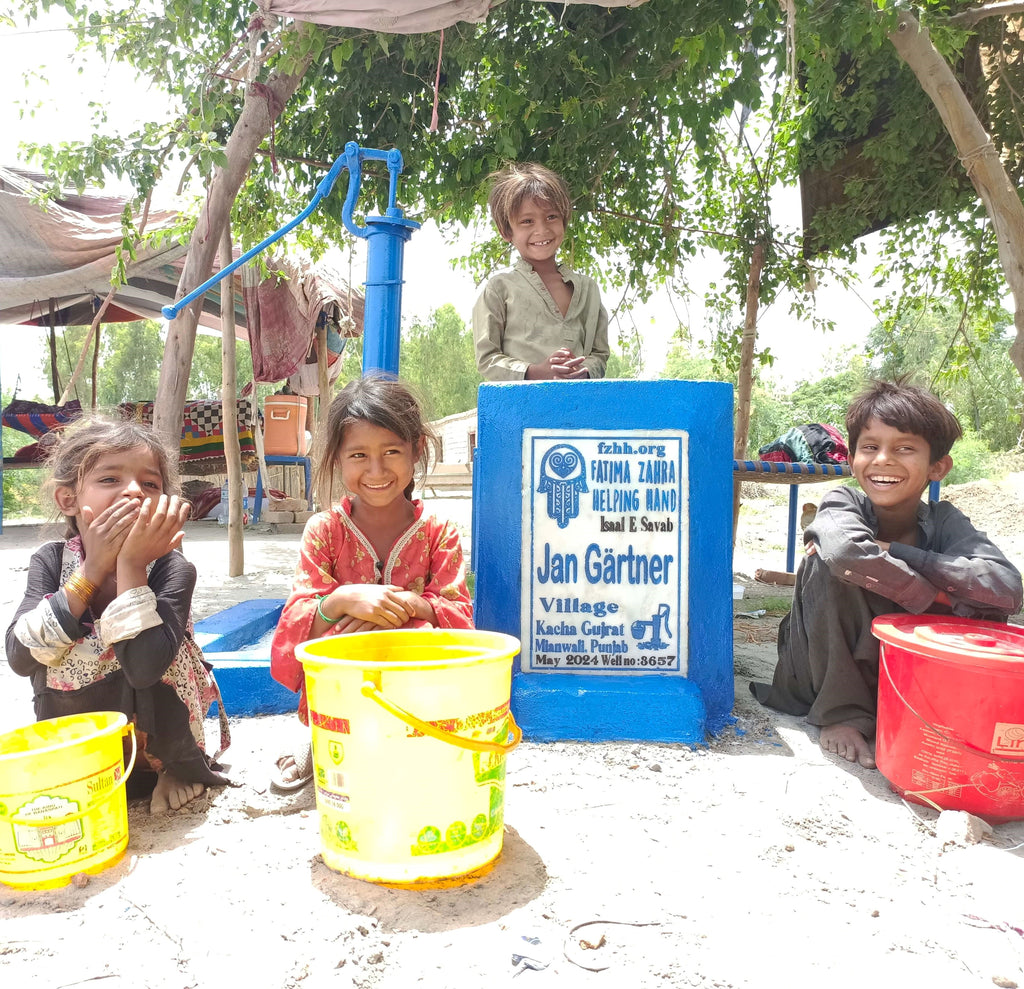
<point x="538" y="320"/>
<point x="880" y="551"/>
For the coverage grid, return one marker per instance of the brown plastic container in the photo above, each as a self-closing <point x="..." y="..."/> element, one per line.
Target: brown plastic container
<point x="284" y="425"/>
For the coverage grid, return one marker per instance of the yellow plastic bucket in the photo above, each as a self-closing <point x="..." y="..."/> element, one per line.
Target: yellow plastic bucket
<point x="410" y="733"/>
<point x="62" y="802"/>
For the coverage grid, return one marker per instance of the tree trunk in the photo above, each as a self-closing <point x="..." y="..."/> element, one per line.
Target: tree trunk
<point x="745" y="378"/>
<point x="979" y="158"/>
<point x="263" y="104"/>
<point x="229" y="412"/>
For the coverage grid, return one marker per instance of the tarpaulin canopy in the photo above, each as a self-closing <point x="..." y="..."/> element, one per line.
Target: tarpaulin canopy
<point x="59" y="255"/>
<point x="398" y="16"/>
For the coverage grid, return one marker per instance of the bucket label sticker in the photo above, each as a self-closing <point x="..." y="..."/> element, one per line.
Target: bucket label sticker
<point x="331" y="779"/>
<point x="47" y="843"/>
<point x="605" y="551"/>
<point x="466" y="722"/>
<point x="339" y="726"/>
<point x="1008" y="739"/>
<point x="337" y="834"/>
<point x="103" y="781"/>
<point x="489" y="775"/>
<point x="1000" y="784"/>
<point x="336" y="801"/>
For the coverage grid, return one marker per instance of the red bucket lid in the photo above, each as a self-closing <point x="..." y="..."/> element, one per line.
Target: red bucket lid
<point x="951" y="638"/>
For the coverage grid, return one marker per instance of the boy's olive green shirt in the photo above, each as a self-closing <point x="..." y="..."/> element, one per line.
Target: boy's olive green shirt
<point x="516" y="323"/>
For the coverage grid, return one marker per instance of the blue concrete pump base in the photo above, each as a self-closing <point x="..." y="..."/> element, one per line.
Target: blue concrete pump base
<point x="567" y="706"/>
<point x="606" y="707"/>
<point x="228" y="640"/>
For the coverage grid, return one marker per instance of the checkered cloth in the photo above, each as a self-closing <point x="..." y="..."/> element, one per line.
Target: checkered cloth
<point x="202" y="434"/>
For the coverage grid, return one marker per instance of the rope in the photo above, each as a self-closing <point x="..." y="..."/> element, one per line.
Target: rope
<point x="437" y="83"/>
<point x="968" y="158"/>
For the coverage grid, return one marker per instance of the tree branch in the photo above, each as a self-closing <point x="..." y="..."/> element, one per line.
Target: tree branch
<point x="263" y="104"/>
<point x="978" y="156"/>
<point x="1002" y="8"/>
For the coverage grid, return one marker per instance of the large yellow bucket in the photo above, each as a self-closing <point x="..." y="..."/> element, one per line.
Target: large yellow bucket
<point x="62" y="801"/>
<point x="410" y="733"/>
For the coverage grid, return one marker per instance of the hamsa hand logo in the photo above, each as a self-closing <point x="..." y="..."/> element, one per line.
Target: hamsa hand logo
<point x="563" y="476"/>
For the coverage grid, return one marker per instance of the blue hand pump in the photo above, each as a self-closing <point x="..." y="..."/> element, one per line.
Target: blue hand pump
<point x="385" y="236"/>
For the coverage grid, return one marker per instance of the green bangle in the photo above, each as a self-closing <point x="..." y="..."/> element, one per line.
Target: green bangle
<point x="320" y="611"/>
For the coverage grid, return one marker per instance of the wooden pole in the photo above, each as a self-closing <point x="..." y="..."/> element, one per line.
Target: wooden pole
<point x="323" y="382"/>
<point x="229" y="408"/>
<point x="95" y="363"/>
<point x="54" y="375"/>
<point x="93" y="329"/>
<point x="745" y="378"/>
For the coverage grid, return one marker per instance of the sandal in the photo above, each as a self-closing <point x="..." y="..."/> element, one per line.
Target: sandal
<point x="303" y="767"/>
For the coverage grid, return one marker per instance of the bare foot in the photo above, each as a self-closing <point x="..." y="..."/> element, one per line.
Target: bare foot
<point x="170" y="793"/>
<point x="846" y="741"/>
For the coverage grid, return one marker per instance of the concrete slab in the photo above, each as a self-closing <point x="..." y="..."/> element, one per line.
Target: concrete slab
<point x="232" y="643"/>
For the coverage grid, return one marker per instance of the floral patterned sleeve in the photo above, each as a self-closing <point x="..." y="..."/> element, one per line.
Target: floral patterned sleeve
<point x="313" y="579"/>
<point x="446" y="590"/>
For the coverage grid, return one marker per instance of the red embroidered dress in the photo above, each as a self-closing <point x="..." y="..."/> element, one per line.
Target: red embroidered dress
<point x="426" y="558"/>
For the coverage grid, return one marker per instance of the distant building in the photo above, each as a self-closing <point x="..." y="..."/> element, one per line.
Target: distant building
<point x="458" y="437"/>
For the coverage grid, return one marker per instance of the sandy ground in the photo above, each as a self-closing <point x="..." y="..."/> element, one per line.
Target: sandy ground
<point x="754" y="861"/>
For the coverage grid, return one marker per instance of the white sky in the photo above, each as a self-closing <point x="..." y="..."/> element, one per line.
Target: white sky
<point x="61" y="112"/>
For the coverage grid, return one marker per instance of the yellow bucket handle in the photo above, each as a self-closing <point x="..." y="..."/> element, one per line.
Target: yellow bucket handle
<point x="371" y="690"/>
<point x="78" y="815"/>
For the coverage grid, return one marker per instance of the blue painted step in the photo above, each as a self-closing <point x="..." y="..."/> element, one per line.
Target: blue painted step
<point x="239" y="625"/>
<point x="230" y="641"/>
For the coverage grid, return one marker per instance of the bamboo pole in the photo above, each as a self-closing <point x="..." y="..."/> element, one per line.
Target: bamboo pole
<point x="96" y="363"/>
<point x="229" y="409"/>
<point x="54" y="375"/>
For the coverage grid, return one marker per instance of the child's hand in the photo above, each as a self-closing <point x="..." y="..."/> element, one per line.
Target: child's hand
<point x="103" y="536"/>
<point x="568" y="365"/>
<point x="348" y="625"/>
<point x="560" y="365"/>
<point x="158" y="529"/>
<point x="379" y="604"/>
<point x="420" y="607"/>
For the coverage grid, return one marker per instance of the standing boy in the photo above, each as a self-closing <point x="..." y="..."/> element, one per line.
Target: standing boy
<point x="539" y="319"/>
<point x="878" y="551"/>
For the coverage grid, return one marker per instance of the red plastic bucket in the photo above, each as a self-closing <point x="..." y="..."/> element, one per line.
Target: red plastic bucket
<point x="951" y="713"/>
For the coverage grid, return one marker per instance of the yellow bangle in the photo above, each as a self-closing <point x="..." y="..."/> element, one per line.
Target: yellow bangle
<point x="80" y="585"/>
